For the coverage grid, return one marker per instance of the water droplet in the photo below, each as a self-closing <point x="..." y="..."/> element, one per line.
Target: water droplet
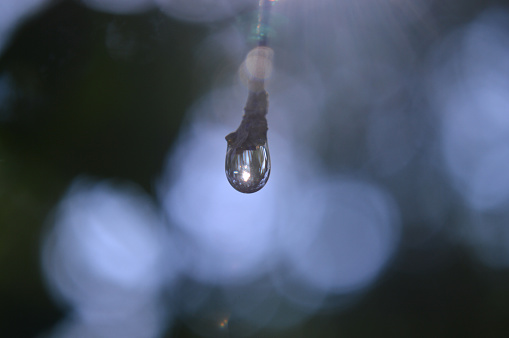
<point x="248" y="169"/>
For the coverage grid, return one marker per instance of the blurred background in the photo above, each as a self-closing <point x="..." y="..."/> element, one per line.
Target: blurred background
<point x="386" y="213"/>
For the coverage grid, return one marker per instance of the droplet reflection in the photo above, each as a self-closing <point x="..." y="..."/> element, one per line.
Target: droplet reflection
<point x="248" y="170"/>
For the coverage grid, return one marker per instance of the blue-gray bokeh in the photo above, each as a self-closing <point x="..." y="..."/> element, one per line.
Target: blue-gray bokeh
<point x="351" y="116"/>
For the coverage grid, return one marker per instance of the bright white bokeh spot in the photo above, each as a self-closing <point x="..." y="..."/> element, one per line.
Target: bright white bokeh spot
<point x="104" y="253"/>
<point x="342" y="234"/>
<point x="471" y="96"/>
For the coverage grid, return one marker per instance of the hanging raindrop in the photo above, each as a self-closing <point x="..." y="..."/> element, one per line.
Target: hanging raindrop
<point x="247" y="164"/>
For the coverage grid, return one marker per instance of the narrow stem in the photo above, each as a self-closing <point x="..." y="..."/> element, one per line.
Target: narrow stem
<point x="252" y="131"/>
<point x="264" y="7"/>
